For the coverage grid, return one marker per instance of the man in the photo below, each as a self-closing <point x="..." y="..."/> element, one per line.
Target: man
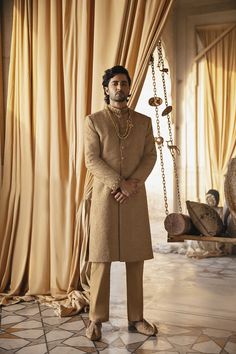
<point x="120" y="153"/>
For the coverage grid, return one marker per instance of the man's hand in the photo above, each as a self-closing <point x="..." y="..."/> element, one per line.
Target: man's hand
<point x="119" y="196"/>
<point x="129" y="187"/>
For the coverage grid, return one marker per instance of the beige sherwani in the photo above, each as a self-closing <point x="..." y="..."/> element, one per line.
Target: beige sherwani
<point x="118" y="232"/>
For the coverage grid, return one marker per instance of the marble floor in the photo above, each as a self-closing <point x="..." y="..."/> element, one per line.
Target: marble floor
<point x="192" y="300"/>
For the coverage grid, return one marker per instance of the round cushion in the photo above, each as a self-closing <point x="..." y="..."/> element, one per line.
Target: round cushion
<point x="205" y="218"/>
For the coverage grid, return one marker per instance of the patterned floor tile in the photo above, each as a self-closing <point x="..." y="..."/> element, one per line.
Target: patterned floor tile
<point x="3" y="351"/>
<point x="29" y="324"/>
<point x="28" y="311"/>
<point x="202" y="338"/>
<point x="82" y="332"/>
<point x="12" y="308"/>
<point x="224" y="352"/>
<point x="182" y="340"/>
<point x="8" y="344"/>
<point x="22" y="322"/>
<point x="101" y="345"/>
<point x="208" y="347"/>
<point x="58" y="335"/>
<point x="54" y="344"/>
<point x="117" y="351"/>
<point x="79" y="341"/>
<point x="217" y="333"/>
<point x="174" y="330"/>
<point x="65" y="350"/>
<point x="129" y="338"/>
<point x="233" y="338"/>
<point x="34" y="349"/>
<point x="12" y="319"/>
<point x="48" y="312"/>
<point x="117" y="343"/>
<point x="157" y="344"/>
<point x="110" y="337"/>
<point x="88" y="349"/>
<point x="230" y="347"/>
<point x="73" y="326"/>
<point x="134" y="346"/>
<point x="220" y="341"/>
<point x="147" y="351"/>
<point x="54" y="321"/>
<point x="30" y="333"/>
<point x="4" y="313"/>
<point x="7" y="335"/>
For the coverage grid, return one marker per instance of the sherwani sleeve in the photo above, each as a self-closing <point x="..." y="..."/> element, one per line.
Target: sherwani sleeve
<point x="93" y="161"/>
<point x="149" y="157"/>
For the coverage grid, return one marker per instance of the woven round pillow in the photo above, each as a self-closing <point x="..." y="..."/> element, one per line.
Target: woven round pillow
<point x="230" y="187"/>
<point x="205" y="218"/>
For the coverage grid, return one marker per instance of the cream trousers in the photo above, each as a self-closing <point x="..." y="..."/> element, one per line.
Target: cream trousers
<point x="100" y="291"/>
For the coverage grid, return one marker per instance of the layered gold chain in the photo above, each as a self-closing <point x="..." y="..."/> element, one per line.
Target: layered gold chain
<point x="129" y="124"/>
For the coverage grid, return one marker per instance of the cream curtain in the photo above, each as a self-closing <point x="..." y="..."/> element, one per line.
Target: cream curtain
<point x="59" y="52"/>
<point x="219" y="104"/>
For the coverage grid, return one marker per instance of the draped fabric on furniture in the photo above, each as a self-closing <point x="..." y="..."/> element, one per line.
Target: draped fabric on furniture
<point x="59" y="52"/>
<point x="219" y="103"/>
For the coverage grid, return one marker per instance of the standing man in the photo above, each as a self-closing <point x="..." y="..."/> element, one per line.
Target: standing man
<point x="120" y="153"/>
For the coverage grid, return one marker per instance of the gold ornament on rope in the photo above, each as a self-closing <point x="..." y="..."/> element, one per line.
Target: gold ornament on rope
<point x="156" y="101"/>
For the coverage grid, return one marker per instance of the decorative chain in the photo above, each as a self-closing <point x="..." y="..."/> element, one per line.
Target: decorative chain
<point x="162" y="69"/>
<point x="159" y="135"/>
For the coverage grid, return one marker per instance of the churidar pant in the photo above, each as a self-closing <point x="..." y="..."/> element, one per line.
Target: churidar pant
<point x="100" y="291"/>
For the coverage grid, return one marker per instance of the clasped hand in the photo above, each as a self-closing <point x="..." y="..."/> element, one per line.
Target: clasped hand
<point x="127" y="188"/>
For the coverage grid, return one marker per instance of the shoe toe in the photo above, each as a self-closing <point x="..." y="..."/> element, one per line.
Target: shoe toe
<point x="143" y="327"/>
<point x="93" y="331"/>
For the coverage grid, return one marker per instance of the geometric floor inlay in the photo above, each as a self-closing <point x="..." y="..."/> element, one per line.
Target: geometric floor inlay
<point x="33" y="328"/>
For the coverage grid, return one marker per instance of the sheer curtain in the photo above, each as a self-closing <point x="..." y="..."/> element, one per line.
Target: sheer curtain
<point x="219" y="103"/>
<point x="59" y="52"/>
<point x="216" y="117"/>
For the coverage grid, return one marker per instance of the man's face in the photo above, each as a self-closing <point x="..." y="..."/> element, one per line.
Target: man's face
<point x="118" y="88"/>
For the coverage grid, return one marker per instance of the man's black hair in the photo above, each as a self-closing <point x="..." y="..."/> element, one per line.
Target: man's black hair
<point x="109" y="74"/>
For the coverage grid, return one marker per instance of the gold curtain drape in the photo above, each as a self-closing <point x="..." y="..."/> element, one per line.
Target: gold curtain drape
<point x="59" y="52"/>
<point x="219" y="104"/>
<point x="1" y="104"/>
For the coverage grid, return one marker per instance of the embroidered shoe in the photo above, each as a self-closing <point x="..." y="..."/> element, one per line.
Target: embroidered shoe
<point x="143" y="327"/>
<point x="94" y="330"/>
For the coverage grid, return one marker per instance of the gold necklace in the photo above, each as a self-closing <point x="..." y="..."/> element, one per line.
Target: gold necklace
<point x="129" y="125"/>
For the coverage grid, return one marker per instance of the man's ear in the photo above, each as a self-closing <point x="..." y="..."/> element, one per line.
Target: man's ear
<point x="106" y="90"/>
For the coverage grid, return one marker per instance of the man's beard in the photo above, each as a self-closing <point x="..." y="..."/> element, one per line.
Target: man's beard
<point x="119" y="97"/>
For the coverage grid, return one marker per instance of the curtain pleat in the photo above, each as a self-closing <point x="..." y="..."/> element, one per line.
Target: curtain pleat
<point x="1" y="105"/>
<point x="59" y="52"/>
